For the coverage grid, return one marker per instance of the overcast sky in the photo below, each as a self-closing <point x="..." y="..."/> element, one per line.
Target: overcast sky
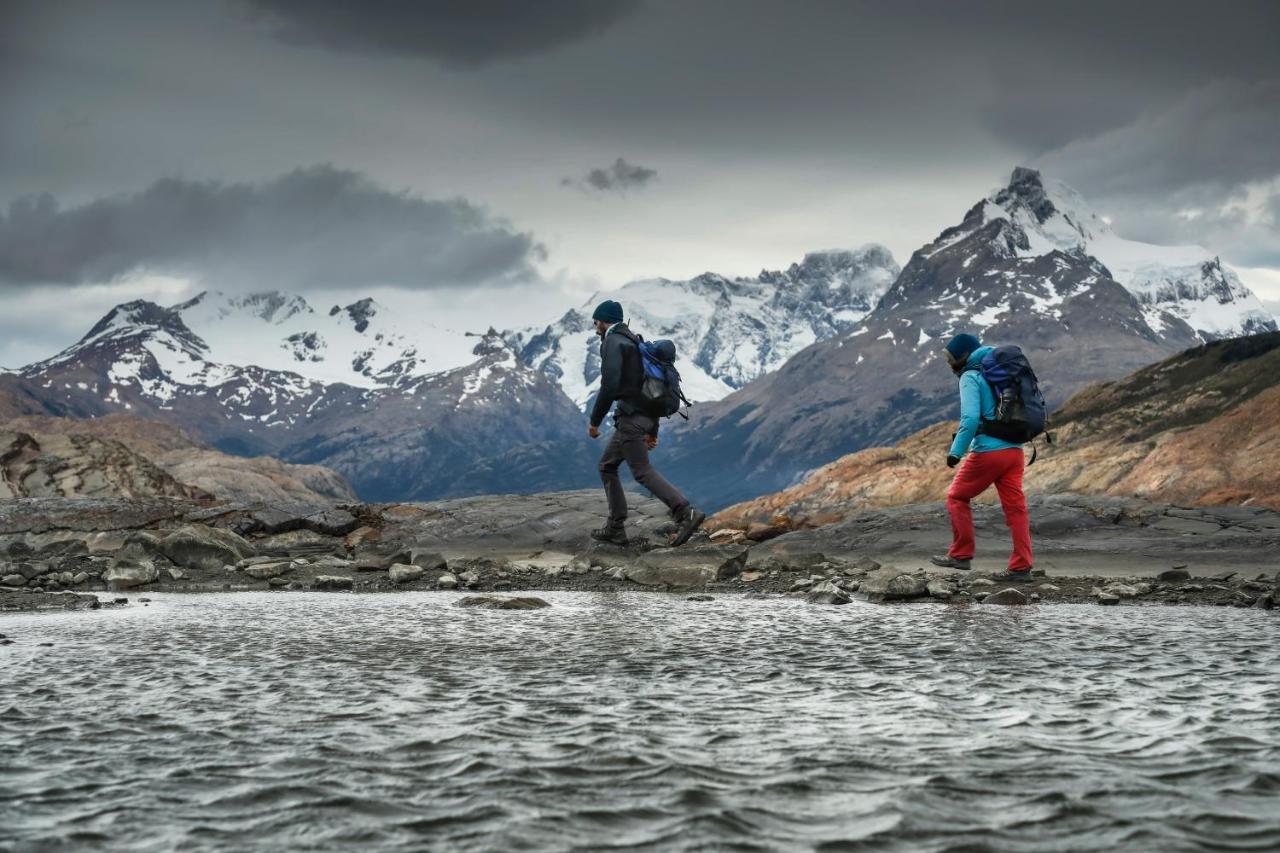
<point x="489" y="161"/>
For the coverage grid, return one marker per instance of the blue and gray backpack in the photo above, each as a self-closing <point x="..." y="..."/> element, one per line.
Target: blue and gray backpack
<point x="660" y="393"/>
<point x="1020" y="409"/>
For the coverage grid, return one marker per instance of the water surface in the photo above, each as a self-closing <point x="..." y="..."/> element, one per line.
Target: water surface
<point x="264" y="721"/>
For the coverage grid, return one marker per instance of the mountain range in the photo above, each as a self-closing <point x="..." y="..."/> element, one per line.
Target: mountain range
<point x="1029" y="264"/>
<point x="789" y="369"/>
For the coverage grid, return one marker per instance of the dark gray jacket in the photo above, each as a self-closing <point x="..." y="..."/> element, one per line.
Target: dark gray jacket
<point x="620" y="376"/>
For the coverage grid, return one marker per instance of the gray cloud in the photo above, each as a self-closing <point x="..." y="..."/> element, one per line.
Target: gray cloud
<point x="464" y="33"/>
<point x="619" y="177"/>
<point x="315" y="227"/>
<point x="1191" y="171"/>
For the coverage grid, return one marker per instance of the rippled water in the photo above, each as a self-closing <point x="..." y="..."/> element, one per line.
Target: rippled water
<point x="314" y="721"/>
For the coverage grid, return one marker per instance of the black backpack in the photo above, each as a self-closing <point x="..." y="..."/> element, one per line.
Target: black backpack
<point x="1020" y="409"/>
<point x="660" y="394"/>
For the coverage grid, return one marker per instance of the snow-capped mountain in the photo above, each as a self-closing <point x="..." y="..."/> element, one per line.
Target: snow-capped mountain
<point x="727" y="332"/>
<point x="416" y="434"/>
<point x="359" y="344"/>
<point x="1018" y="269"/>
<point x="1173" y="284"/>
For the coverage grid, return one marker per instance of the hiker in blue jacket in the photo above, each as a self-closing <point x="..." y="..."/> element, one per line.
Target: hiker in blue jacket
<point x="635" y="431"/>
<point x="984" y="461"/>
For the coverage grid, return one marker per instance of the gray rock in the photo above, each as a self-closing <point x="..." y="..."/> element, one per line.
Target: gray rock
<point x="430" y="560"/>
<point x="827" y="593"/>
<point x="127" y="573"/>
<point x="79" y="578"/>
<point x="494" y="602"/>
<point x="175" y="574"/>
<point x="405" y="573"/>
<point x="1186" y="526"/>
<point x="267" y="571"/>
<point x="1169" y="575"/>
<point x="447" y="581"/>
<point x="470" y="578"/>
<point x="1107" y="598"/>
<point x="700" y="597"/>
<point x="14" y="579"/>
<point x="941" y="588"/>
<point x="1122" y="590"/>
<point x="726" y="561"/>
<point x="1005" y="596"/>
<point x="205" y="548"/>
<point x="1264" y="602"/>
<point x="279" y="583"/>
<point x="332" y="582"/>
<point x="890" y="584"/>
<point x="674" y="576"/>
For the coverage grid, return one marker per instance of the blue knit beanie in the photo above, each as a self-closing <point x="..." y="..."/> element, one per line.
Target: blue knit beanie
<point x="608" y="311"/>
<point x="962" y="346"/>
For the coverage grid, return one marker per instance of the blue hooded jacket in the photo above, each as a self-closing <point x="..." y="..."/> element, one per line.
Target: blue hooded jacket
<point x="977" y="401"/>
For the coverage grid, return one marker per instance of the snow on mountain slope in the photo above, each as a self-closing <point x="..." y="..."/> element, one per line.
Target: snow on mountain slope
<point x="727" y="331"/>
<point x="359" y="344"/>
<point x="1171" y="283"/>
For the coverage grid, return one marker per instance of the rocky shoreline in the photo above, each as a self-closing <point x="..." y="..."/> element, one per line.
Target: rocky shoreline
<point x="65" y="553"/>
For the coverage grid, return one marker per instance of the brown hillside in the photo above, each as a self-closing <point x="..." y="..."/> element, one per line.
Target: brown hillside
<point x="1201" y="428"/>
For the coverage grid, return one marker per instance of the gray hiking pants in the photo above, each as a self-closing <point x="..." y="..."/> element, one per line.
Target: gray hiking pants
<point x="627" y="445"/>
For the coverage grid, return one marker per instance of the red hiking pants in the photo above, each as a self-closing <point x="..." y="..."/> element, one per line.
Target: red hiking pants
<point x="977" y="472"/>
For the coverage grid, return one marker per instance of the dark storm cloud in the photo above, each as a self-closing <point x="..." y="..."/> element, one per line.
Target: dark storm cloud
<point x="456" y="32"/>
<point x="619" y="177"/>
<point x="314" y="227"/>
<point x="1186" y="172"/>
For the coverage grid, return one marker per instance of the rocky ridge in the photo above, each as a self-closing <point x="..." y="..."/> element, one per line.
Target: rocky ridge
<point x="1089" y="549"/>
<point x="125" y="456"/>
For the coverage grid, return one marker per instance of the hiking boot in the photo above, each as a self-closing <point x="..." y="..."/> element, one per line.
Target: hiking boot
<point x="689" y="522"/>
<point x="1011" y="576"/>
<point x="611" y="535"/>
<point x="950" y="562"/>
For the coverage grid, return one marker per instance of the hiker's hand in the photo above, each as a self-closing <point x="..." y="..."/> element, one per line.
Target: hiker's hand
<point x="952" y="461"/>
<point x="651" y="441"/>
<point x="594" y="432"/>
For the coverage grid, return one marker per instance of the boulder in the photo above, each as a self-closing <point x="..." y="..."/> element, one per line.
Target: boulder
<point x="14" y="579"/>
<point x="430" y="560"/>
<point x="827" y="593"/>
<point x="269" y="570"/>
<point x="941" y="588"/>
<point x="675" y="576"/>
<point x="128" y="574"/>
<point x="405" y="573"/>
<point x="1005" y="596"/>
<point x="470" y="579"/>
<point x="750" y="577"/>
<point x="1264" y="602"/>
<point x="1123" y="590"/>
<point x="1108" y="599"/>
<point x="494" y="602"/>
<point x="207" y="548"/>
<point x="725" y="561"/>
<point x="447" y="581"/>
<point x="890" y="584"/>
<point x="332" y="582"/>
<point x="1169" y="575"/>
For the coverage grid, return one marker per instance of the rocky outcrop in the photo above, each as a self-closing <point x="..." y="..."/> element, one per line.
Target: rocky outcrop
<point x="1090" y="549"/>
<point x="1199" y="429"/>
<point x="133" y="457"/>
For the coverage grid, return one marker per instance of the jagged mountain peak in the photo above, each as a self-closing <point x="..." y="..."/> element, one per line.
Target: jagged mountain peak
<point x="727" y="332"/>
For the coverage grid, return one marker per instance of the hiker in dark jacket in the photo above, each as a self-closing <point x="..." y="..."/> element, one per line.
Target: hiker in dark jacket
<point x="635" y="432"/>
<point x="984" y="460"/>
